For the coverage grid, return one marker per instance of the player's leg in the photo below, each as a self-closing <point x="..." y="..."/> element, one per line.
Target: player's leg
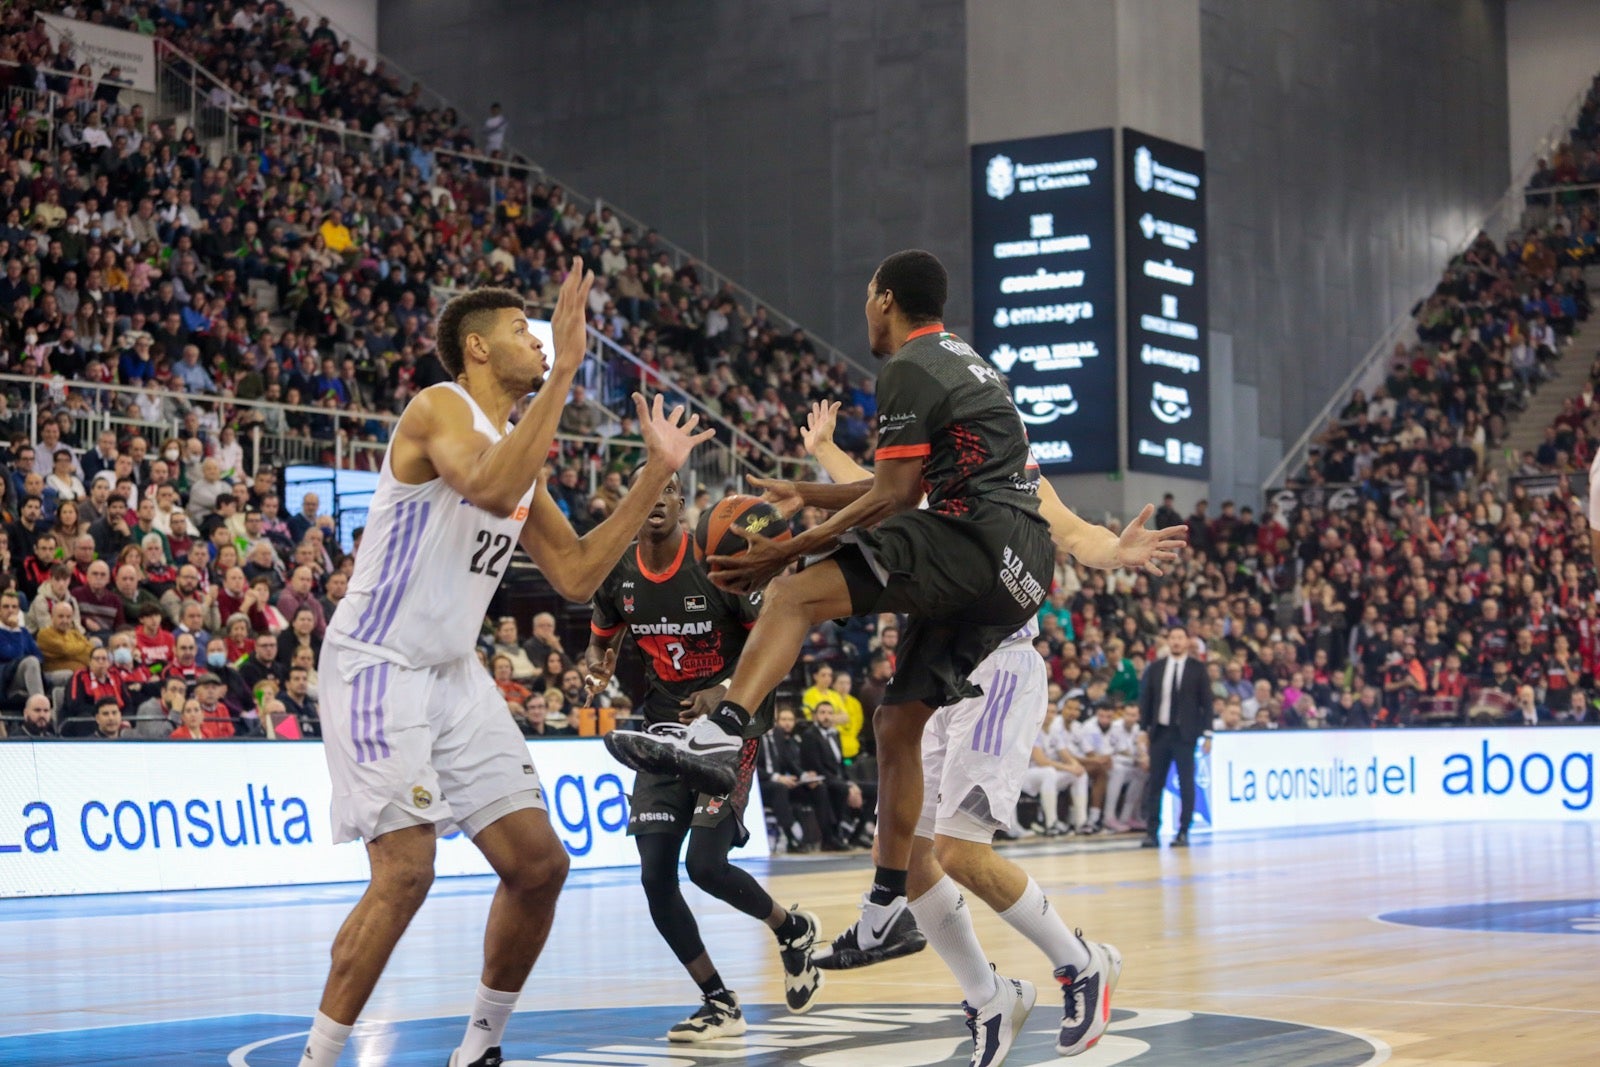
<point x="1183" y="758"/>
<point x="1121" y="771"/>
<point x="1079" y="790"/>
<point x="707" y="755"/>
<point x="710" y="842"/>
<point x="488" y="776"/>
<point x="402" y="871"/>
<point x="1161" y="756"/>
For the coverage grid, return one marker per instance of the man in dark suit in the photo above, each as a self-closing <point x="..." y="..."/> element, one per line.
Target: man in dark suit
<point x="1175" y="710"/>
<point x="779" y="768"/>
<point x="846" y="806"/>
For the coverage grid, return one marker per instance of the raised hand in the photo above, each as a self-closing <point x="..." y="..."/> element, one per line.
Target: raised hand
<point x="597" y="676"/>
<point x="669" y="438"/>
<point x="572" y="312"/>
<point x="1142" y="549"/>
<point x="780" y="493"/>
<point x="819" y="425"/>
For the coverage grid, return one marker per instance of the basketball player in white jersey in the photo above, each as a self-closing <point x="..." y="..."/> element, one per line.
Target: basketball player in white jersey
<point x="417" y="737"/>
<point x="1594" y="508"/>
<point x="974" y="756"/>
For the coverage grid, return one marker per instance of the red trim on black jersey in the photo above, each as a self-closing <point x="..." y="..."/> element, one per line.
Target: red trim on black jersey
<point x="923" y="331"/>
<point x="683" y="550"/>
<point x="903" y="452"/>
<point x="601" y="632"/>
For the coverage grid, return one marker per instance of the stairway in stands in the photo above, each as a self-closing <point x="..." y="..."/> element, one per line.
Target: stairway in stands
<point x="1526" y="430"/>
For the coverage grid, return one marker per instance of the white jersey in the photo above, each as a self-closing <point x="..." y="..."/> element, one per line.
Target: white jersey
<point x="1594" y="492"/>
<point x="429" y="564"/>
<point x="1089" y="740"/>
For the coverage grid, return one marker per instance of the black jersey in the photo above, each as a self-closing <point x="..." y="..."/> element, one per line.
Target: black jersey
<point x="938" y="399"/>
<point x="689" y="632"/>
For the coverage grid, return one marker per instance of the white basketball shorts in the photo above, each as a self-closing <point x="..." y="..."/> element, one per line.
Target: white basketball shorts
<point x="975" y="752"/>
<point x="413" y="746"/>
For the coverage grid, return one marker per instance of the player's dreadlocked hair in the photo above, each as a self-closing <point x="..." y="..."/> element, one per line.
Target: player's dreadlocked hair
<point x="919" y="283"/>
<point x="466" y="314"/>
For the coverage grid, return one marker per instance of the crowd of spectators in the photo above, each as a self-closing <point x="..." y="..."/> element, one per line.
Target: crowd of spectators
<point x="307" y="265"/>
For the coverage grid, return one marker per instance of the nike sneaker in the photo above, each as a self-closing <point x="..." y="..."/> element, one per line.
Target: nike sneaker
<point x="996" y="1024"/>
<point x="801" y="979"/>
<point x="492" y="1058"/>
<point x="719" y="1015"/>
<point x="703" y="755"/>
<point x="883" y="932"/>
<point x="1086" y="996"/>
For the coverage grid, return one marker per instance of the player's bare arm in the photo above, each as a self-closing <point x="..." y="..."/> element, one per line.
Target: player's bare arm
<point x="896" y="486"/>
<point x="575" y="566"/>
<point x="436" y="438"/>
<point x="704" y="702"/>
<point x="1094" y="546"/>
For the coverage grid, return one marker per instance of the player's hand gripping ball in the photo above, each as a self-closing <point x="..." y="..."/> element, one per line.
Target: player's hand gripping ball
<point x="715" y="534"/>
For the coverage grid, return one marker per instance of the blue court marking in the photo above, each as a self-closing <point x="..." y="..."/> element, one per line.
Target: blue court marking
<point x="910" y="1035"/>
<point x="1506" y="916"/>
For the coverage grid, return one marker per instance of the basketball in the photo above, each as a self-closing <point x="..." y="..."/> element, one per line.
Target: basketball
<point x="714" y="535"/>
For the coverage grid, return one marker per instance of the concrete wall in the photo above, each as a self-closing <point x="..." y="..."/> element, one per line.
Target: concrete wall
<point x="1552" y="52"/>
<point x="789" y="144"/>
<point x="1351" y="145"/>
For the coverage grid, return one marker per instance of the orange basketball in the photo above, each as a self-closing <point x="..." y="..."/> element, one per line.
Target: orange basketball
<point x="714" y="536"/>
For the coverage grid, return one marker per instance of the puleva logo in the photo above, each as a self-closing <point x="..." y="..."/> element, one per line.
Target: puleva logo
<point x="906" y="1035"/>
<point x="1001" y="177"/>
<point x="1144" y="167"/>
<point x="1170" y="403"/>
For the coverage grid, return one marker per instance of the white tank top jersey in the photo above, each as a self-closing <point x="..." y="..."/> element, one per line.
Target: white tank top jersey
<point x="428" y="566"/>
<point x="1594" y="491"/>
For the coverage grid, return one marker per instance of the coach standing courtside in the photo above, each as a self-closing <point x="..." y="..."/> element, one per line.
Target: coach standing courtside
<point x="1175" y="710"/>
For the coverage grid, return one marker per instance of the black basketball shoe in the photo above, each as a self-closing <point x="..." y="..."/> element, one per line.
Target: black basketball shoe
<point x="703" y="756"/>
<point x="883" y="932"/>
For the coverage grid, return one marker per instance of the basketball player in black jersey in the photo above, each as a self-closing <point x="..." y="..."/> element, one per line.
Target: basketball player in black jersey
<point x="968" y="570"/>
<point x="689" y="634"/>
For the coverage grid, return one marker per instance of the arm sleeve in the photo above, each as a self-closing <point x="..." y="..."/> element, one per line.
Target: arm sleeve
<point x="910" y="406"/>
<point x="606" y="620"/>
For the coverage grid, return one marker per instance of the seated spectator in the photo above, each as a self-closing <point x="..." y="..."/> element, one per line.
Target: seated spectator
<point x="262" y="663"/>
<point x="300" y="592"/>
<point x="299" y="701"/>
<point x="136" y="599"/>
<point x="99" y="605"/>
<point x="108" y="724"/>
<point x="544" y="641"/>
<point x="1052" y="769"/>
<point x="1092" y="745"/>
<point x="850" y="718"/>
<point x="821" y="690"/>
<point x="508" y="645"/>
<point x="38" y="722"/>
<point x="160" y="714"/>
<point x="192" y="725"/>
<point x="153" y="646"/>
<point x="841" y="805"/>
<point x="21" y="670"/>
<point x="514" y="691"/>
<point x="91" y="685"/>
<point x="208" y="692"/>
<point x="779" y="768"/>
<point x="55" y="591"/>
<point x="535" y="720"/>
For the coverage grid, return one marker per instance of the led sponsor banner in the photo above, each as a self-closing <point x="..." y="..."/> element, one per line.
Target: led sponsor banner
<point x="1164" y="272"/>
<point x="113" y="817"/>
<point x="103" y="48"/>
<point x="1338" y="499"/>
<point x="1269" y="779"/>
<point x="1044" y="284"/>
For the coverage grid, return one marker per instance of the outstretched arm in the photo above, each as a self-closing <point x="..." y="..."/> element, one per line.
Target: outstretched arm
<point x="575" y="566"/>
<point x="1095" y="546"/>
<point x="436" y="438"/>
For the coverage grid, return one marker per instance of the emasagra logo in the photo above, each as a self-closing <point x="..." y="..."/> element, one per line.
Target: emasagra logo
<point x="1000" y="177"/>
<point x="906" y="1035"/>
<point x="1144" y="168"/>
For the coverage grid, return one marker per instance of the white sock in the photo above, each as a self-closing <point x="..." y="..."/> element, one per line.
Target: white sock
<point x="487" y="1024"/>
<point x="327" y="1040"/>
<point x="1034" y="918"/>
<point x="944" y="918"/>
<point x="1094" y="816"/>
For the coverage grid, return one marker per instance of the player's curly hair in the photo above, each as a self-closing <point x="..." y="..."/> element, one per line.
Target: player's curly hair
<point x="919" y="282"/>
<point x="466" y="314"/>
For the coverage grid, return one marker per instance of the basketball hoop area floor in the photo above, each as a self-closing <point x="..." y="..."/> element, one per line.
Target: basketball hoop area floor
<point x="1455" y="946"/>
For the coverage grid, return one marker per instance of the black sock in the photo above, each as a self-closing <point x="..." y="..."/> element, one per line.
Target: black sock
<point x="731" y="717"/>
<point x="887" y="884"/>
<point x="712" y="986"/>
<point x="792" y="928"/>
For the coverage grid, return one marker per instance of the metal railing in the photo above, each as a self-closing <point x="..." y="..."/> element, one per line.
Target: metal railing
<point x="1505" y="217"/>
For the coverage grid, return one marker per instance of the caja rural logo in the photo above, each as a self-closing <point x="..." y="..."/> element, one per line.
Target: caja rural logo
<point x="901" y="1034"/>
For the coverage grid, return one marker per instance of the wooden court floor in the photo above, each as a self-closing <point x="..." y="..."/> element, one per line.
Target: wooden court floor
<point x="1456" y="945"/>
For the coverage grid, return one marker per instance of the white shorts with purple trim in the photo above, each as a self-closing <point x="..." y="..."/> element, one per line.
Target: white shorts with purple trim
<point x="413" y="746"/>
<point x="976" y="752"/>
